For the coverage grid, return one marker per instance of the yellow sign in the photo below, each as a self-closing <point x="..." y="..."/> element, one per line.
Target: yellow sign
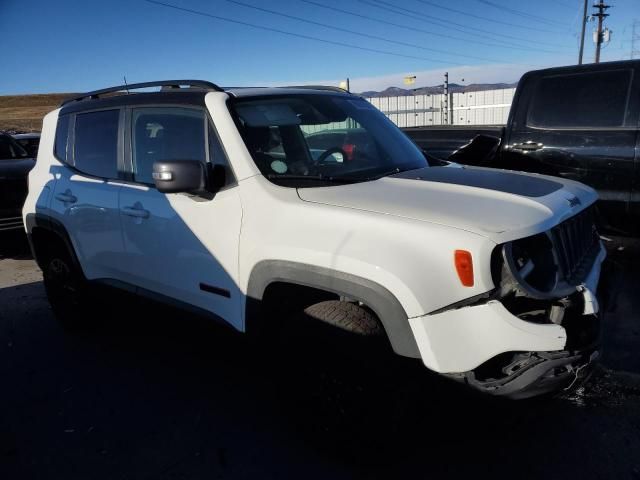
<point x="343" y="85"/>
<point x="410" y="80"/>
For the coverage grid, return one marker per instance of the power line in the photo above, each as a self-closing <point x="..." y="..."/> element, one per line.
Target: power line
<point x="427" y="32"/>
<point x="365" y="35"/>
<point x="298" y="35"/>
<point x="445" y="23"/>
<point x="487" y="19"/>
<point x="520" y="13"/>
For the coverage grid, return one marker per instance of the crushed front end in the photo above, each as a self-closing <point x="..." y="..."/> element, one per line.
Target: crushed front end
<point x="538" y="330"/>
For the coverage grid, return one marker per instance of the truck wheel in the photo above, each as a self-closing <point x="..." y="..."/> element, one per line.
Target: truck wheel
<point x="66" y="290"/>
<point x="339" y="378"/>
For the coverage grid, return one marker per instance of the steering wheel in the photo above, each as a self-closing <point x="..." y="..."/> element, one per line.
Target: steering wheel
<point x="324" y="155"/>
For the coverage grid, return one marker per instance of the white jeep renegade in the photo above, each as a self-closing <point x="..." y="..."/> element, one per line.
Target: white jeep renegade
<point x="236" y="202"/>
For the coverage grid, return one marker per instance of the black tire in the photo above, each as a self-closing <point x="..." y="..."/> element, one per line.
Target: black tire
<point x="340" y="380"/>
<point x="66" y="290"/>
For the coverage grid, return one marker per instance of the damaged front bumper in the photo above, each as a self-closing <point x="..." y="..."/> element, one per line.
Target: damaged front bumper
<point x="535" y="373"/>
<point x="494" y="348"/>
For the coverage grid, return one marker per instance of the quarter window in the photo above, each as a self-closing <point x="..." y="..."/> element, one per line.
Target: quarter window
<point x="96" y="143"/>
<point x="585" y="100"/>
<point x="161" y="134"/>
<point x="62" y="133"/>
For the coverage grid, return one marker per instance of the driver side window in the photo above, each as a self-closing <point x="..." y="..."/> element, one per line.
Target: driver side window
<point x="160" y="134"/>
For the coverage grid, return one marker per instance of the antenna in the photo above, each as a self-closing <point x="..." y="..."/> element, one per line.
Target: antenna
<point x="125" y="83"/>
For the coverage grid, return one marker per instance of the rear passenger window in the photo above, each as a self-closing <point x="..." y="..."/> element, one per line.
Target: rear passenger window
<point x="161" y="134"/>
<point x="585" y="100"/>
<point x="96" y="143"/>
<point x="62" y="133"/>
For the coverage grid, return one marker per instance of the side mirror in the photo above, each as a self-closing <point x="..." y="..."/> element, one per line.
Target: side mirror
<point x="480" y="151"/>
<point x="180" y="176"/>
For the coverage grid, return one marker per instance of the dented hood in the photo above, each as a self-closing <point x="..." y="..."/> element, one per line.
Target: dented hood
<point x="498" y="204"/>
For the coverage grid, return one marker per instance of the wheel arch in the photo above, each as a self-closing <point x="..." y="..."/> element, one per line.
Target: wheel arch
<point x="45" y="232"/>
<point x="384" y="304"/>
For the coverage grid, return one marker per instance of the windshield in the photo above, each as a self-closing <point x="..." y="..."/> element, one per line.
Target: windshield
<point x="10" y="150"/>
<point x="303" y="140"/>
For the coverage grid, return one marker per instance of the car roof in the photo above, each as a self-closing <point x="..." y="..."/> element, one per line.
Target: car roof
<point x="586" y="67"/>
<point x="240" y="92"/>
<point x="172" y="93"/>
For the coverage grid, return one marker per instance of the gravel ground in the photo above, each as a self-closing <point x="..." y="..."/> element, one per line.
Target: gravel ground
<point x="153" y="393"/>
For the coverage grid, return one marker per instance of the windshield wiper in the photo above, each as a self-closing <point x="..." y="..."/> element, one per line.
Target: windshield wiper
<point x="384" y="174"/>
<point x="317" y="178"/>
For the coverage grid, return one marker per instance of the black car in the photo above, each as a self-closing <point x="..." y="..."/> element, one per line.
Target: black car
<point x="29" y="141"/>
<point x="15" y="164"/>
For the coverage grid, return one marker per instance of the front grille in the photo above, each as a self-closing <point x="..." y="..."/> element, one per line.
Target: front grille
<point x="576" y="243"/>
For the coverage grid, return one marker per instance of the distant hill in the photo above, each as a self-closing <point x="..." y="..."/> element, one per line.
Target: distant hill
<point x="23" y="113"/>
<point x="453" y="88"/>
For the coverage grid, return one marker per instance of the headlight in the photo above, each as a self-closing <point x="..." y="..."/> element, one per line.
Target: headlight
<point x="533" y="265"/>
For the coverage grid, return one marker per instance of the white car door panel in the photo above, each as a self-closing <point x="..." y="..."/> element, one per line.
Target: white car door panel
<point x="85" y="197"/>
<point x="177" y="245"/>
<point x="184" y="248"/>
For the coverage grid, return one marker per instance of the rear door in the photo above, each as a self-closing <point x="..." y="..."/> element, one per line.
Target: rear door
<point x="85" y="198"/>
<point x="182" y="247"/>
<point x="579" y="125"/>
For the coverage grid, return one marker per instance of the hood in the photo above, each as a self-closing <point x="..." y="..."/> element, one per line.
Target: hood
<point x="498" y="204"/>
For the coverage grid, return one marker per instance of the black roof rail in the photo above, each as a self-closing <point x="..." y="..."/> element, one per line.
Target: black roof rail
<point x="135" y="86"/>
<point x="318" y="87"/>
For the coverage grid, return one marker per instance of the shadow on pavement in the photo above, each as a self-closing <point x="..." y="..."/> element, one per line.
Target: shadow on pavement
<point x="14" y="244"/>
<point x="155" y="393"/>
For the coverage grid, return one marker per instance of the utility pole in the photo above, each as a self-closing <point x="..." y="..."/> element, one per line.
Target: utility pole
<point x="445" y="103"/>
<point x="601" y="7"/>
<point x="584" y="26"/>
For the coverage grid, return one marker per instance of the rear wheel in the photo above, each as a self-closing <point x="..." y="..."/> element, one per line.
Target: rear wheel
<point x="66" y="289"/>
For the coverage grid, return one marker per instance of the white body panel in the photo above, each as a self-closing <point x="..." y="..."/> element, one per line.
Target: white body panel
<point x="184" y="242"/>
<point x="398" y="233"/>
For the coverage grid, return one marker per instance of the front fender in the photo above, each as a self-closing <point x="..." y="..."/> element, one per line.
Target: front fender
<point x="385" y="305"/>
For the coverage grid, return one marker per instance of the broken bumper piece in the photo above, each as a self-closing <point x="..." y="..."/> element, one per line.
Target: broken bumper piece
<point x="530" y="374"/>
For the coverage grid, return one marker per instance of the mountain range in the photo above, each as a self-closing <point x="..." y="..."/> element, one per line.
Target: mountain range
<point x="437" y="89"/>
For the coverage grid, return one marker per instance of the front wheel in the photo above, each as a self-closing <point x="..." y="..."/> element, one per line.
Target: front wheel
<point x="340" y="379"/>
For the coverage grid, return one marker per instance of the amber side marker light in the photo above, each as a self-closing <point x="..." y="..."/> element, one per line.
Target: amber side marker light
<point x="464" y="266"/>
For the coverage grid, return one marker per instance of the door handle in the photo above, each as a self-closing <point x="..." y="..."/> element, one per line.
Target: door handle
<point x="66" y="197"/>
<point x="135" y="212"/>
<point x="527" y="146"/>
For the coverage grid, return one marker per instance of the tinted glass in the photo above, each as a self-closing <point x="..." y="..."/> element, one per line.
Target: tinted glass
<point x="62" y="131"/>
<point x="591" y="100"/>
<point x="161" y="134"/>
<point x="323" y="137"/>
<point x="96" y="143"/>
<point x="10" y="150"/>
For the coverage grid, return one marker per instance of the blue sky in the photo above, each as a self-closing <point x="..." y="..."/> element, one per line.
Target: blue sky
<point x="76" y="45"/>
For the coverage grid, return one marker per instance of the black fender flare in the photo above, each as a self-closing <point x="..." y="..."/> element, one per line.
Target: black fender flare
<point x="53" y="226"/>
<point x="385" y="305"/>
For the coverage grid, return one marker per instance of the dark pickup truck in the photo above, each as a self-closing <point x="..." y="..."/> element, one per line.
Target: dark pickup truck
<point x="577" y="122"/>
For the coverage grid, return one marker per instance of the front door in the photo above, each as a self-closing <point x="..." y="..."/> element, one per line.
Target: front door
<point x="580" y="126"/>
<point x="182" y="247"/>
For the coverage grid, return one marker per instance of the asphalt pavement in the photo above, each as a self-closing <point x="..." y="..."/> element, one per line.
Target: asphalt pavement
<point x="156" y="394"/>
